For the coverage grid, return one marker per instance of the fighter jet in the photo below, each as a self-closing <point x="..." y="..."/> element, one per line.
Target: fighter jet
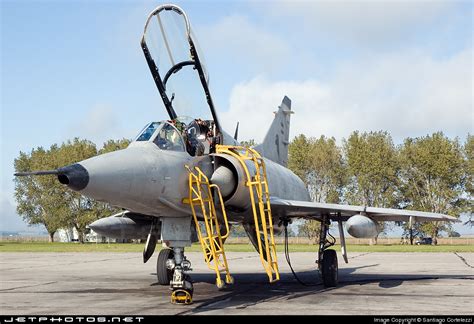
<point x="185" y="179"/>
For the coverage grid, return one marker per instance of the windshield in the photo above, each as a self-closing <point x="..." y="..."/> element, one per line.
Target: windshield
<point x="176" y="64"/>
<point x="147" y="132"/>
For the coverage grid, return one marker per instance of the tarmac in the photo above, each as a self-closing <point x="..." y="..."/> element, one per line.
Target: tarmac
<point x="121" y="284"/>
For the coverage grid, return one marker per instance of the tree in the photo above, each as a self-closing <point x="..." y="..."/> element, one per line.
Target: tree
<point x="237" y="230"/>
<point x="114" y="145"/>
<point x="249" y="143"/>
<point x="80" y="212"/>
<point x="85" y="210"/>
<point x="453" y="234"/>
<point x="311" y="230"/>
<point x="319" y="163"/>
<point x="469" y="157"/>
<point x="299" y="153"/>
<point x="40" y="199"/>
<point x="299" y="161"/>
<point x="410" y="233"/>
<point x="291" y="231"/>
<point x="433" y="178"/>
<point x="373" y="169"/>
<point x="43" y="200"/>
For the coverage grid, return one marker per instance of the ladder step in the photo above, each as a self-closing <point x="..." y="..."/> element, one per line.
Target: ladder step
<point x="252" y="183"/>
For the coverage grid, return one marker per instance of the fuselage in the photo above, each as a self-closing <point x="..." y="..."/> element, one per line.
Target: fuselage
<point x="151" y="179"/>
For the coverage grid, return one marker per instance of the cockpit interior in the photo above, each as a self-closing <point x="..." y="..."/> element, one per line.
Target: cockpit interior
<point x="197" y="137"/>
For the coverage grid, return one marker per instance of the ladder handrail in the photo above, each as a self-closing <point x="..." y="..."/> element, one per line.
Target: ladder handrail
<point x="267" y="201"/>
<point x="212" y="244"/>
<point x="241" y="153"/>
<point x="221" y="201"/>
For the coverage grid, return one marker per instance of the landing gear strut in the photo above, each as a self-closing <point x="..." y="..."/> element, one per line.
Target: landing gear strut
<point x="327" y="259"/>
<point x="181" y="284"/>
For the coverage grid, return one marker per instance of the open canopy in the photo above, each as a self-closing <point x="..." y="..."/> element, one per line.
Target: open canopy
<point x="176" y="64"/>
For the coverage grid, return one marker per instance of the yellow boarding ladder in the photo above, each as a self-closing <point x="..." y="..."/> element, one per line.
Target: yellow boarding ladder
<point x="262" y="213"/>
<point x="212" y="243"/>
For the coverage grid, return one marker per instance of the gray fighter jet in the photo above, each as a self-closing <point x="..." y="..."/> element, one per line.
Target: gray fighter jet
<point x="185" y="179"/>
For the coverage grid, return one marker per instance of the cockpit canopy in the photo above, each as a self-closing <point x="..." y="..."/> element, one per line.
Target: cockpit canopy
<point x="177" y="66"/>
<point x="196" y="136"/>
<point x="164" y="135"/>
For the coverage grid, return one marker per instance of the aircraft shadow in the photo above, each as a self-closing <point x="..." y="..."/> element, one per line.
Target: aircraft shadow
<point x="253" y="288"/>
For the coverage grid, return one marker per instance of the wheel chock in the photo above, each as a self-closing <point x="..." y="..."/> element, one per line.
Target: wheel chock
<point x="181" y="297"/>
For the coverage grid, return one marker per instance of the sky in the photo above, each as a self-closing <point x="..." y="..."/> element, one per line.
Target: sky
<point x="75" y="69"/>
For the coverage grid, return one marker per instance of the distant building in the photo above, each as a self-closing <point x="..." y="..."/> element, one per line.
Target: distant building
<point x="71" y="235"/>
<point x="9" y="233"/>
<point x="67" y="235"/>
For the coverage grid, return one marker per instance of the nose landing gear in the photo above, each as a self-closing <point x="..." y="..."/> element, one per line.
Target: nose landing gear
<point x="181" y="284"/>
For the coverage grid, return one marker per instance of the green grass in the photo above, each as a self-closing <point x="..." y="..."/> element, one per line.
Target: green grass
<point x="138" y="248"/>
<point x="409" y="248"/>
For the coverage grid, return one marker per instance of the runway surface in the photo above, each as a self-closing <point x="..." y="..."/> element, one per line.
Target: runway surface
<point x="119" y="283"/>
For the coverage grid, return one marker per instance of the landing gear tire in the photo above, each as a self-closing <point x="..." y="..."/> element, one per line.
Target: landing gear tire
<point x="329" y="268"/>
<point x="164" y="274"/>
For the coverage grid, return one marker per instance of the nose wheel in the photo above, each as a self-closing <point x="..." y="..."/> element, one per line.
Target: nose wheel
<point x="165" y="266"/>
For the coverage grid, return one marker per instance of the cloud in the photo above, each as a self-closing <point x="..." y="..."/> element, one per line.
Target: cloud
<point x="99" y="124"/>
<point x="367" y="23"/>
<point x="409" y="94"/>
<point x="9" y="220"/>
<point x="237" y="41"/>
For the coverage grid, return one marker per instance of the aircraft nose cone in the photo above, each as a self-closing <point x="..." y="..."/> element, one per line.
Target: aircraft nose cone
<point x="75" y="176"/>
<point x="102" y="226"/>
<point x="98" y="226"/>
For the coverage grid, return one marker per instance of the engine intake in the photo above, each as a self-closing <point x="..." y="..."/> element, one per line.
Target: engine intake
<point x="230" y="178"/>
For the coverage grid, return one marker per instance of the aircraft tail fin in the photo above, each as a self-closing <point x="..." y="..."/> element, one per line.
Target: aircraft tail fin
<point x="275" y="144"/>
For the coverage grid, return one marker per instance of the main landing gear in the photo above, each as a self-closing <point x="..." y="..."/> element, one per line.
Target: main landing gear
<point x="171" y="269"/>
<point x="327" y="259"/>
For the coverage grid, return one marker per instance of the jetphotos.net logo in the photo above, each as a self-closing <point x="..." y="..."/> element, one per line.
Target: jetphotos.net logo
<point x="71" y="319"/>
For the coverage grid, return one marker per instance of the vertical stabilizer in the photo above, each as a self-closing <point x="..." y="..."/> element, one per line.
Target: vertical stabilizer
<point x="275" y="144"/>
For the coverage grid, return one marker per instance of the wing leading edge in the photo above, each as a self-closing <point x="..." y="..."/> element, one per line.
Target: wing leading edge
<point x="314" y="210"/>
